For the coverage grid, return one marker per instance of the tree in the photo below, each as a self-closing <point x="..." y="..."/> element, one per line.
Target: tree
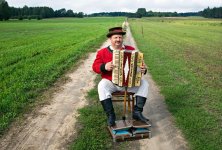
<point x="25" y="10"/>
<point x="1" y="11"/>
<point x="141" y="12"/>
<point x="69" y="13"/>
<point x="212" y="13"/>
<point x="4" y="10"/>
<point x="34" y="12"/>
<point x="60" y="12"/>
<point x="80" y="15"/>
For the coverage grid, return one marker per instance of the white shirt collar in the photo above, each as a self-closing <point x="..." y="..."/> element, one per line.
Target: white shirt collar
<point x="123" y="47"/>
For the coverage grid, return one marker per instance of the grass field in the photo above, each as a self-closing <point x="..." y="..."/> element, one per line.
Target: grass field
<point x="184" y="57"/>
<point x="34" y="54"/>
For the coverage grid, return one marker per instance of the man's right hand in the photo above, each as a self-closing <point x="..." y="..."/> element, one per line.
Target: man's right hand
<point x="109" y="66"/>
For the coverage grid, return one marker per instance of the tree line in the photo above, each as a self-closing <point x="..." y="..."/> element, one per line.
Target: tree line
<point x="140" y="15"/>
<point x="109" y="14"/>
<point x="41" y="12"/>
<point x="26" y="12"/>
<point x="212" y="13"/>
<point x="141" y="12"/>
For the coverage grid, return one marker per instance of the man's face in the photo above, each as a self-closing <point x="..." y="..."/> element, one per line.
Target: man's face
<point x="116" y="41"/>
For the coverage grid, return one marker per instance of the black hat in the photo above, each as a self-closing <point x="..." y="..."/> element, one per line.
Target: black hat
<point x="115" y="30"/>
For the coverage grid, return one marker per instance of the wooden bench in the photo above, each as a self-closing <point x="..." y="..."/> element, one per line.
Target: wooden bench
<point x="128" y="129"/>
<point x="119" y="97"/>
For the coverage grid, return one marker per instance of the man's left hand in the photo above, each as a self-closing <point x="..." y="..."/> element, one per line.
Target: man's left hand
<point x="143" y="69"/>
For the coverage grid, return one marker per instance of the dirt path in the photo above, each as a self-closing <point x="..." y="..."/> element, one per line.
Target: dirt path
<point x="165" y="136"/>
<point x="54" y="124"/>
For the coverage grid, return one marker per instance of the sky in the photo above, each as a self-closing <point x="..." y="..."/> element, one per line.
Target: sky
<point x="94" y="6"/>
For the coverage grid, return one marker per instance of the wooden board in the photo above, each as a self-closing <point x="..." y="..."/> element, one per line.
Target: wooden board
<point x="139" y="124"/>
<point x="125" y="124"/>
<point x="122" y="124"/>
<point x="129" y="130"/>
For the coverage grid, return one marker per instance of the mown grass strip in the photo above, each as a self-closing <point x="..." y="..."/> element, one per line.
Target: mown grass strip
<point x="93" y="133"/>
<point x="184" y="58"/>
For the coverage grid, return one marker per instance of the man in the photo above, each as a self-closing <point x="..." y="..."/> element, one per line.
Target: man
<point x="103" y="65"/>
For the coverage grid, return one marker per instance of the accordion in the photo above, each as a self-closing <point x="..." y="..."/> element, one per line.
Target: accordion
<point x="127" y="70"/>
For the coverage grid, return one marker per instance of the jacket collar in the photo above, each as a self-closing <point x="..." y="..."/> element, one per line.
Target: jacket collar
<point x="111" y="48"/>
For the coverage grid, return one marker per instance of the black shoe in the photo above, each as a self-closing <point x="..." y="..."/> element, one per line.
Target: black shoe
<point x="108" y="108"/>
<point x="138" y="109"/>
<point x="137" y="115"/>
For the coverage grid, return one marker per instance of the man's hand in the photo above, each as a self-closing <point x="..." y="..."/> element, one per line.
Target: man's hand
<point x="109" y="66"/>
<point x="143" y="69"/>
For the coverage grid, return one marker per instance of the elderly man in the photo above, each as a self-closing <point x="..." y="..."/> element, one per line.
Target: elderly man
<point x="103" y="65"/>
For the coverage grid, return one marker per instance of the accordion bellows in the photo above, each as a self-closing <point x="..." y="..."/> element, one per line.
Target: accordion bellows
<point x="127" y="70"/>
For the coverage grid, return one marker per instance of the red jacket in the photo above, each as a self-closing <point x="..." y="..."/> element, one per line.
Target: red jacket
<point x="104" y="56"/>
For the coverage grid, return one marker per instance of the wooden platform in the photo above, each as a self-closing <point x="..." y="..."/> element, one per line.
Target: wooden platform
<point x="130" y="130"/>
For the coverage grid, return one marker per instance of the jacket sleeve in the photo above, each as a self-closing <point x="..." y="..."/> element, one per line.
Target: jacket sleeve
<point x="98" y="64"/>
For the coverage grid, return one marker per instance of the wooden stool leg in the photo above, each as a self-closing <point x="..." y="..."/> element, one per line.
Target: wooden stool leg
<point x="133" y="103"/>
<point x="129" y="107"/>
<point x="125" y="94"/>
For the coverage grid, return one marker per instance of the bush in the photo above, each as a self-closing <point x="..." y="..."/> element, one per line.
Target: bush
<point x="20" y="17"/>
<point x="39" y="17"/>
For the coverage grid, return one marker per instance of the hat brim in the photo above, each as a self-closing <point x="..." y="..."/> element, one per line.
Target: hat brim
<point x="113" y="33"/>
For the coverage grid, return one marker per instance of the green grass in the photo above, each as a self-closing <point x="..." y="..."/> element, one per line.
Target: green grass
<point x="34" y="54"/>
<point x="93" y="133"/>
<point x="184" y="57"/>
